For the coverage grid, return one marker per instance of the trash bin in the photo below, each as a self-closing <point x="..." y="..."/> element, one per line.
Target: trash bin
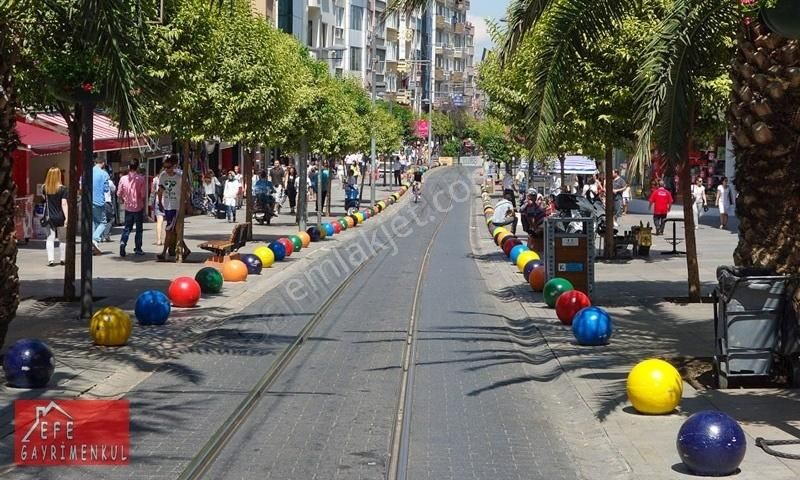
<point x="749" y="311"/>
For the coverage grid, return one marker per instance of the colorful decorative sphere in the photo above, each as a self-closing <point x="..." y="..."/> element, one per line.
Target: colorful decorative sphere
<point x="287" y="245"/>
<point x="234" y="271"/>
<point x="323" y="234"/>
<point x="711" y="443"/>
<point x="592" y="326"/>
<point x="359" y="217"/>
<point x="516" y="251"/>
<point x="654" y="387"/>
<point x="555" y="287"/>
<point x="279" y="250"/>
<point x="313" y="234"/>
<point x="343" y="223"/>
<point x="337" y="227"/>
<point x="526" y="272"/>
<point x="306" y="238"/>
<point x="297" y="243"/>
<point x="153" y="307"/>
<point x="329" y="230"/>
<point x="209" y="279"/>
<point x="29" y="363"/>
<point x="184" y="292"/>
<point x="497" y="231"/>
<point x="569" y="304"/>
<point x="253" y="263"/>
<point x="510" y="242"/>
<point x="537" y="278"/>
<point x="500" y="237"/>
<point x="526" y="257"/>
<point x="111" y="327"/>
<point x="352" y="221"/>
<point x="266" y="256"/>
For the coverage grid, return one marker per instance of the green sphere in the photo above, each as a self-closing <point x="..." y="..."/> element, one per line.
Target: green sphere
<point x="554" y="288"/>
<point x="343" y="223"/>
<point x="210" y="280"/>
<point x="297" y="243"/>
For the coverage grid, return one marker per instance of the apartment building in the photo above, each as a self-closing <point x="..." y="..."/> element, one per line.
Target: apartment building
<point x="417" y="57"/>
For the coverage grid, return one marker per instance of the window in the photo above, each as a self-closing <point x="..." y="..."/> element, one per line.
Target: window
<point x="310" y="34"/>
<point x="355" y="59"/>
<point x="356" y="17"/>
<point x="340" y="17"/>
<point x="324" y="35"/>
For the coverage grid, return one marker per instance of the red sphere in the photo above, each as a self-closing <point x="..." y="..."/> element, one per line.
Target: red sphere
<point x="509" y="243"/>
<point x="288" y="244"/>
<point x="184" y="292"/>
<point x="337" y="227"/>
<point x="569" y="303"/>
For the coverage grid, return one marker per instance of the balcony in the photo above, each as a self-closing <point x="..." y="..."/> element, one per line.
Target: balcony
<point x="469" y="29"/>
<point x="380" y="6"/>
<point x="459" y="28"/>
<point x="440" y="21"/>
<point x="439" y="50"/>
<point x="439" y="75"/>
<point x="458" y="52"/>
<point x="470" y="51"/>
<point x="457" y="76"/>
<point x="314" y="7"/>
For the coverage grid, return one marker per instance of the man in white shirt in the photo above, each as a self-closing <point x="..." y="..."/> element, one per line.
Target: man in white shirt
<point x="509" y="188"/>
<point x="170" y="184"/>
<point x="504" y="214"/>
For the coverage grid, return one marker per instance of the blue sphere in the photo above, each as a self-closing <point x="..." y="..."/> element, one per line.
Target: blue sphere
<point x="592" y="326"/>
<point x="152" y="308"/>
<point x="279" y="250"/>
<point x="711" y="443"/>
<point x="29" y="363"/>
<point x="253" y="263"/>
<point x="526" y="272"/>
<point x="516" y="251"/>
<point x="329" y="229"/>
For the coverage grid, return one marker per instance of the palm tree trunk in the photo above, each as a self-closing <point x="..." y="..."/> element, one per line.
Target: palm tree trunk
<point x="608" y="245"/>
<point x="9" y="278"/>
<point x="186" y="195"/>
<point x="247" y="176"/>
<point x="765" y="131"/>
<point x="302" y="187"/>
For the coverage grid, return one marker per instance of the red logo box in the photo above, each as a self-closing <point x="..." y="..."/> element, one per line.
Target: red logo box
<point x="71" y="432"/>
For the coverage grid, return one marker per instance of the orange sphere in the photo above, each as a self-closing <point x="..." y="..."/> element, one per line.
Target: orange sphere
<point x="234" y="271"/>
<point x="350" y="222"/>
<point x="537" y="278"/>
<point x="305" y="238"/>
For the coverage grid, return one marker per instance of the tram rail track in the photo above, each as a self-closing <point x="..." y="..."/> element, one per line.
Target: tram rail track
<point x="205" y="458"/>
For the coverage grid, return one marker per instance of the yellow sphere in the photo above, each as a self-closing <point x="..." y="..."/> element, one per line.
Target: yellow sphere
<point x="501" y="237"/>
<point x="654" y="387"/>
<point x="526" y="257"/>
<point x="498" y="230"/>
<point x="266" y="255"/>
<point x="110" y="327"/>
<point x="360" y="217"/>
<point x="488" y="220"/>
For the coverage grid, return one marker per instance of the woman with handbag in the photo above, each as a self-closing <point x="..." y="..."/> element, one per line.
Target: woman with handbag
<point x="700" y="201"/>
<point x="725" y="202"/>
<point x="55" y="215"/>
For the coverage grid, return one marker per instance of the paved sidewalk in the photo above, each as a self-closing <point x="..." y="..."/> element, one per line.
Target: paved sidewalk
<point x="88" y="371"/>
<point x="646" y="325"/>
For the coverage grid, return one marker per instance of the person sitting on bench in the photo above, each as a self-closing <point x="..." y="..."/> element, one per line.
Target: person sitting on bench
<point x="504" y="214"/>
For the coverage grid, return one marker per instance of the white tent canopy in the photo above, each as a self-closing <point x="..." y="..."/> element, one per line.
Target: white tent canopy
<point x="576" y="165"/>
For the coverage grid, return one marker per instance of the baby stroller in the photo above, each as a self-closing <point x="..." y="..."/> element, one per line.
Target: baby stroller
<point x="577" y="206"/>
<point x="351" y="203"/>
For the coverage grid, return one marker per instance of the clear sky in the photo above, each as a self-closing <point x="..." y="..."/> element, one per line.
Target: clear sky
<point x="479" y="11"/>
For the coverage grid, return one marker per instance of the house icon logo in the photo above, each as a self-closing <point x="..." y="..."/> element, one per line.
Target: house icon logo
<point x="42" y="413"/>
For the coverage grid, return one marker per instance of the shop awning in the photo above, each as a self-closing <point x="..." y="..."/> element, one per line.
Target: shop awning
<point x="576" y="165"/>
<point x="41" y="141"/>
<point x="107" y="136"/>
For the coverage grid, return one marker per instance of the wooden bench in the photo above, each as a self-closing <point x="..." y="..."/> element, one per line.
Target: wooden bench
<point x="225" y="250"/>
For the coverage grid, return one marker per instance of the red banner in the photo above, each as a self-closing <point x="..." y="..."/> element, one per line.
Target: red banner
<point x="421" y="128"/>
<point x="71" y="432"/>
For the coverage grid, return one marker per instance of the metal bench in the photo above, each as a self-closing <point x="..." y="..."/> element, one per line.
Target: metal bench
<point x="224" y="250"/>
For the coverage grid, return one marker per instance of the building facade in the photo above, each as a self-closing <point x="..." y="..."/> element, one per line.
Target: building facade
<point x="418" y="58"/>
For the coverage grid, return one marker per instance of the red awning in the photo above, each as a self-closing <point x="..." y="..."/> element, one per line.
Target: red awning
<point x="107" y="136"/>
<point x="41" y="141"/>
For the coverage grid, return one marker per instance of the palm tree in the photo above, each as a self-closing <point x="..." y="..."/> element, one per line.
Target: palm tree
<point x="9" y="279"/>
<point x="763" y="115"/>
<point x="105" y="38"/>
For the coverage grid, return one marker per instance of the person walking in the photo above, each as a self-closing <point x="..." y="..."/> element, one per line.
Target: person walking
<point x="619" y="184"/>
<point x="660" y="203"/>
<point x="158" y="212"/>
<point x="210" y="185"/>
<point x="111" y="215"/>
<point x="291" y="187"/>
<point x="509" y="188"/>
<point x="325" y="177"/>
<point x="131" y="193"/>
<point x="99" y="189"/>
<point x="230" y="196"/>
<point x="237" y="175"/>
<point x="170" y="184"/>
<point x="725" y="202"/>
<point x="278" y="177"/>
<point x="626" y="199"/>
<point x="55" y="215"/>
<point x="700" y="202"/>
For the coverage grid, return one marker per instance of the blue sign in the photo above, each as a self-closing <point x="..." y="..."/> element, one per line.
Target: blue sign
<point x="458" y="100"/>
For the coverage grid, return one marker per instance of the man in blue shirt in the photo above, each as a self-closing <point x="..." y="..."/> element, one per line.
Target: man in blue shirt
<point x="99" y="189"/>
